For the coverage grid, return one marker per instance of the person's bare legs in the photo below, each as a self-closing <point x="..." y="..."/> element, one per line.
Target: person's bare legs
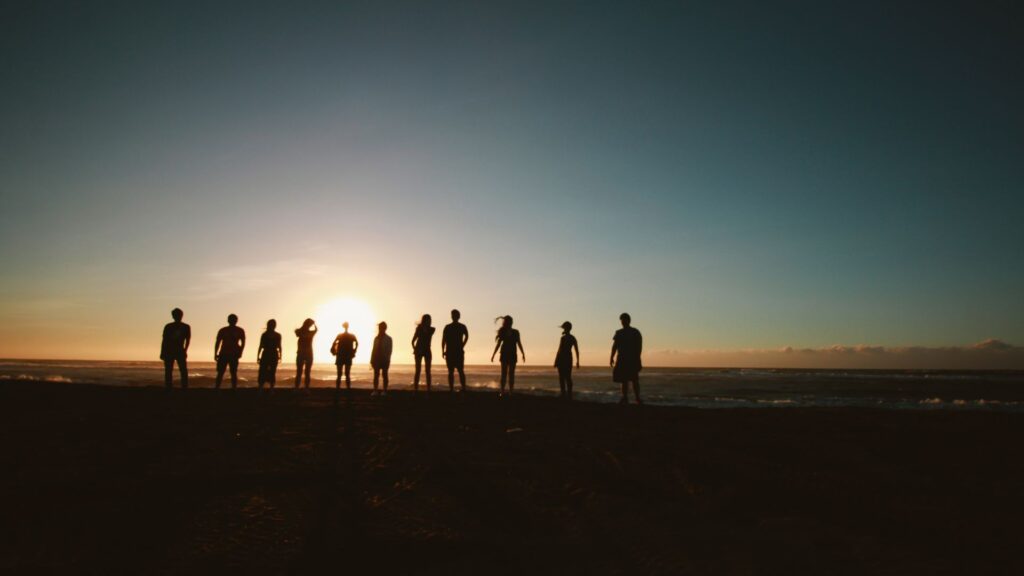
<point x="309" y="369"/>
<point x="298" y="373"/>
<point x="426" y="361"/>
<point x="234" y="374"/>
<point x="504" y="378"/>
<point x="561" y="384"/>
<point x="337" y="379"/>
<point x="462" y="379"/>
<point x="416" y="377"/>
<point x="221" y="367"/>
<point x="568" y="387"/>
<point x="376" y="379"/>
<point x="625" y="393"/>
<point x="636" y="391"/>
<point x="384" y="373"/>
<point x="451" y="379"/>
<point x="511" y="378"/>
<point x="348" y="376"/>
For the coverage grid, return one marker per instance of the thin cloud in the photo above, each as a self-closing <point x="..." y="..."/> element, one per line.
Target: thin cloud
<point x="235" y="280"/>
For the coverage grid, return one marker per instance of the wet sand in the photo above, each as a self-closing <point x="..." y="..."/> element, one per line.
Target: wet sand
<point x="120" y="480"/>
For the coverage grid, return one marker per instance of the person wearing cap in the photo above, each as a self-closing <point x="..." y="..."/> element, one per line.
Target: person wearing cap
<point x="344" y="349"/>
<point x="563" y="360"/>
<point x="380" y="357"/>
<point x="228" y="349"/>
<point x="626" y="349"/>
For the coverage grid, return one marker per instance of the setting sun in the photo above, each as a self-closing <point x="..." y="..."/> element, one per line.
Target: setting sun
<point x="329" y="318"/>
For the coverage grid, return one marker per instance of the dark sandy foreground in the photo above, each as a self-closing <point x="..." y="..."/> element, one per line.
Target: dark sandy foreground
<point x="115" y="480"/>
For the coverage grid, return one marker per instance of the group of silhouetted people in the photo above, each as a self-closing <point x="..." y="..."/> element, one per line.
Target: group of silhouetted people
<point x="508" y="346"/>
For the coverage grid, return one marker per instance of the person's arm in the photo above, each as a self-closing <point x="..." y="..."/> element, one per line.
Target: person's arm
<point x="188" y="336"/>
<point x="519" y="342"/>
<point x="496" y="346"/>
<point x="280" y="352"/>
<point x="465" y="337"/>
<point x="576" y="347"/>
<point x="241" y="347"/>
<point x="217" y="345"/>
<point x="615" y="348"/>
<point x="259" y="351"/>
<point x="444" y="342"/>
<point x="415" y="338"/>
<point x="334" y="346"/>
<point x="356" y="347"/>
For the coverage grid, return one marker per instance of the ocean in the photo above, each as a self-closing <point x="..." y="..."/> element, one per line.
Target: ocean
<point x="694" y="387"/>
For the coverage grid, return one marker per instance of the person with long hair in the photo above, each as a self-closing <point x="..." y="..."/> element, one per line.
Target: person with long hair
<point x="421" y="350"/>
<point x="269" y="354"/>
<point x="507" y="340"/>
<point x="304" y="356"/>
<point x="380" y="357"/>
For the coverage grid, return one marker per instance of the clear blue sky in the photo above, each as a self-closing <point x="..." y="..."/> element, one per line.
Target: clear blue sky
<point x="735" y="175"/>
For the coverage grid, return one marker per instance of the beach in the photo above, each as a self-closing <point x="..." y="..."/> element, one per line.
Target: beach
<point x="107" y="479"/>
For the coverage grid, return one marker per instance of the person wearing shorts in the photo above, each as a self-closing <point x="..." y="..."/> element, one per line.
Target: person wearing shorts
<point x="227" y="350"/>
<point x="453" y="348"/>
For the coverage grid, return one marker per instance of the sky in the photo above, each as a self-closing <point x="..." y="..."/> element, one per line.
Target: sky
<point x="800" y="183"/>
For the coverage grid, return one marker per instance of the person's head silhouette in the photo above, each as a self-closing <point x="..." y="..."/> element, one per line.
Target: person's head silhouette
<point x="232" y="319"/>
<point x="382" y="327"/>
<point x="307" y="323"/>
<point x="271" y="325"/>
<point x="177" y="314"/>
<point x="567" y="326"/>
<point x="426" y="320"/>
<point x="625" y="319"/>
<point x="456" y="315"/>
<point x="345" y="326"/>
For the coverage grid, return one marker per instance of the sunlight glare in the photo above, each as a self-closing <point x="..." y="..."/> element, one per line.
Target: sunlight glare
<point x="329" y="318"/>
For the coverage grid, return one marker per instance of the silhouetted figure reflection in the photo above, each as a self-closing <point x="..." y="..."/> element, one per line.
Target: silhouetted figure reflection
<point x="421" y="350"/>
<point x="304" y="356"/>
<point x="269" y="354"/>
<point x="174" y="348"/>
<point x="507" y="340"/>
<point x="453" y="349"/>
<point x="228" y="349"/>
<point x="380" y="356"/>
<point x="344" y="349"/>
<point x="563" y="360"/>
<point x="628" y="344"/>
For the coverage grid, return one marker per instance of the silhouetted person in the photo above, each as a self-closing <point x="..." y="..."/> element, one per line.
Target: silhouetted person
<point x="421" y="350"/>
<point x="563" y="360"/>
<point x="269" y="354"/>
<point x="304" y="356"/>
<point x="344" y="349"/>
<point x="453" y="349"/>
<point x="507" y="340"/>
<point x="228" y="349"/>
<point x="628" y="344"/>
<point x="174" y="348"/>
<point x="380" y="356"/>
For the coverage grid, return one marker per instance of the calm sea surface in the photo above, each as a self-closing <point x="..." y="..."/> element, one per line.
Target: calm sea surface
<point x="698" y="387"/>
